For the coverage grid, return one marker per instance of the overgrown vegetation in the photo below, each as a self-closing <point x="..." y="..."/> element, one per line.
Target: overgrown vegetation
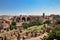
<point x="58" y="22"/>
<point x="13" y="25"/>
<point x="55" y="34"/>
<point x="25" y="25"/>
<point x="32" y="23"/>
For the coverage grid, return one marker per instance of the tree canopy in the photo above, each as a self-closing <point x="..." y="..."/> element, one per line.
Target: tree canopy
<point x="32" y="23"/>
<point x="13" y="25"/>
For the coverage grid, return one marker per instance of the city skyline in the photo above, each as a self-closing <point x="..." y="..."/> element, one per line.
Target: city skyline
<point x="29" y="7"/>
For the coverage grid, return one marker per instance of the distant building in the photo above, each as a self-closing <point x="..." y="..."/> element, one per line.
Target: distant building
<point x="55" y="16"/>
<point x="43" y="15"/>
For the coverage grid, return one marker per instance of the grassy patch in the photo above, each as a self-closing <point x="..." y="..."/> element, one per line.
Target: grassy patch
<point x="31" y="29"/>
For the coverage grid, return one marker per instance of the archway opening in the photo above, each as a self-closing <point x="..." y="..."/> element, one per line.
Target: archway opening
<point x="28" y="19"/>
<point x="18" y="19"/>
<point x="23" y="19"/>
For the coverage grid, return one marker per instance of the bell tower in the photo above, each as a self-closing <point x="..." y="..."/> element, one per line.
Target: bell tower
<point x="43" y="15"/>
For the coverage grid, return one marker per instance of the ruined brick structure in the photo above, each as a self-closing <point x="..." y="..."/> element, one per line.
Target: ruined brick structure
<point x="5" y="22"/>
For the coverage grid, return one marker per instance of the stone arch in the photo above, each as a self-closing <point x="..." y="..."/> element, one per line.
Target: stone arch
<point x="28" y="18"/>
<point x="18" y="19"/>
<point x="23" y="19"/>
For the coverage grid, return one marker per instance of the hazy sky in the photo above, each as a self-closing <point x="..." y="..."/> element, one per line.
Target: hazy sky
<point x="29" y="7"/>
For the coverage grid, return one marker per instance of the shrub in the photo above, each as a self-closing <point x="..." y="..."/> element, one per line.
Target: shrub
<point x="25" y="25"/>
<point x="13" y="25"/>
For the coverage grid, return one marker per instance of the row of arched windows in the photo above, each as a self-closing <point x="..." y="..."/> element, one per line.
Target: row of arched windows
<point x="23" y="19"/>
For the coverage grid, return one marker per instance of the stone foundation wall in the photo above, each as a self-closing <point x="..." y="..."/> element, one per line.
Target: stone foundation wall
<point x="20" y="36"/>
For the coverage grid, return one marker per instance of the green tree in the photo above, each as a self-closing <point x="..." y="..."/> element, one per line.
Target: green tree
<point x="13" y="25"/>
<point x="55" y="34"/>
<point x="32" y="23"/>
<point x="58" y="22"/>
<point x="25" y="25"/>
<point x="35" y="22"/>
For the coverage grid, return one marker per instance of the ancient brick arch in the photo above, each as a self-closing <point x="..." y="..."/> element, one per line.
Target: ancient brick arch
<point x="28" y="18"/>
<point x="18" y="19"/>
<point x="23" y="19"/>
